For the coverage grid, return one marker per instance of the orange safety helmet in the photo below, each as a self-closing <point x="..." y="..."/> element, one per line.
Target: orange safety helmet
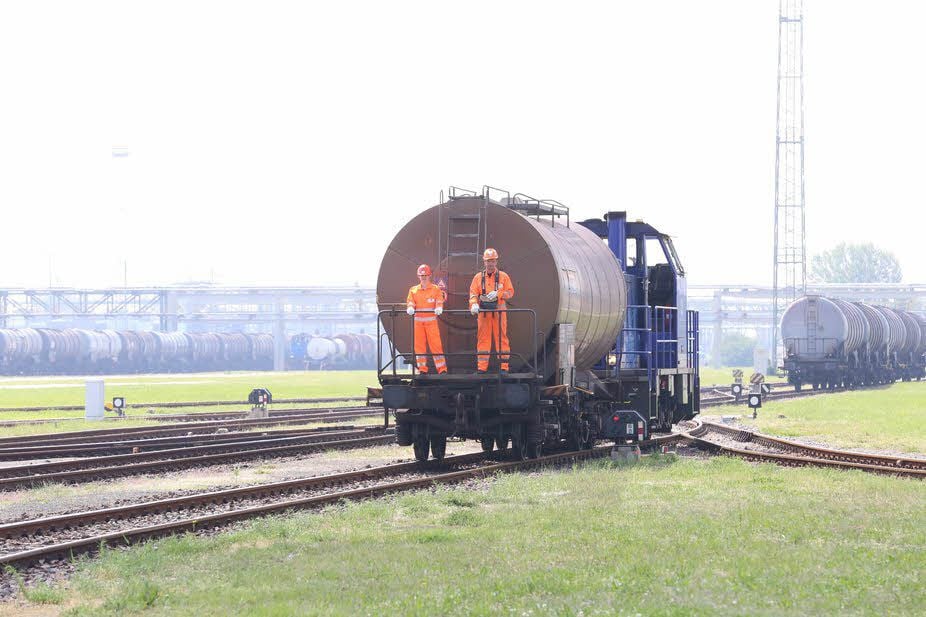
<point x="489" y="254"/>
<point x="424" y="270"/>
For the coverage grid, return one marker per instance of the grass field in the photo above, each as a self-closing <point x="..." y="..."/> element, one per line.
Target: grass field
<point x="724" y="376"/>
<point x="891" y="418"/>
<point x="667" y="537"/>
<point x="145" y="389"/>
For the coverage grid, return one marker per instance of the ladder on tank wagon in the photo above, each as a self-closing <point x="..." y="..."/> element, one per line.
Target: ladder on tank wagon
<point x="461" y="257"/>
<point x="463" y="248"/>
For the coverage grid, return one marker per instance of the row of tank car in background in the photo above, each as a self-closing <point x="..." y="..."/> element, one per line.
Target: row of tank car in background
<point x="47" y="351"/>
<point x="832" y="343"/>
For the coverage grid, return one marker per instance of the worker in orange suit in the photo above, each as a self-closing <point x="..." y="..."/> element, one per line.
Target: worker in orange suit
<point x="488" y="293"/>
<point x="426" y="303"/>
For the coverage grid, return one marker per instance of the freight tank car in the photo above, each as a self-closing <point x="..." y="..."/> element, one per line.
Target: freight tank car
<point x="832" y="343"/>
<point x="602" y="343"/>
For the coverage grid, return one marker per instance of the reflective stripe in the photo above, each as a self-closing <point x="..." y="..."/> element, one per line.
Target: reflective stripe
<point x="439" y="363"/>
<point x="424" y="319"/>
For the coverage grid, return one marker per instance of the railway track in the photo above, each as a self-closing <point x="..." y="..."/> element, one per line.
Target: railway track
<point x="60" y="537"/>
<point x="765" y="448"/>
<point x="721" y="398"/>
<point x="197" y="428"/>
<point x="173" y="404"/>
<point x="133" y="446"/>
<point x="105" y="467"/>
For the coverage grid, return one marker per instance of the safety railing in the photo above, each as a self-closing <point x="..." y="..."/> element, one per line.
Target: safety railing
<point x="665" y="336"/>
<point x="650" y="339"/>
<point x="633" y="348"/>
<point x="694" y="341"/>
<point x="397" y="315"/>
<point x="812" y="347"/>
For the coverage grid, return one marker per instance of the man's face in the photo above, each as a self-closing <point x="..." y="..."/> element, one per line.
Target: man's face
<point x="424" y="279"/>
<point x="491" y="265"/>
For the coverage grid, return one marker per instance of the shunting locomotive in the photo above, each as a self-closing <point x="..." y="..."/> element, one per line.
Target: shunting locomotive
<point x="600" y="344"/>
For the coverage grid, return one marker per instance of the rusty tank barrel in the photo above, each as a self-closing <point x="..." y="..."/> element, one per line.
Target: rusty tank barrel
<point x="563" y="272"/>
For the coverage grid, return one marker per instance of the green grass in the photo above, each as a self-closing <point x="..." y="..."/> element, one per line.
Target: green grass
<point x="891" y="418"/>
<point x="724" y="376"/>
<point x="146" y="389"/>
<point x="143" y="390"/>
<point x="691" y="537"/>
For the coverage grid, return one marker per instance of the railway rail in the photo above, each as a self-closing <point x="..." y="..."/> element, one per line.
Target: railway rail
<point x="105" y="467"/>
<point x="145" y="432"/>
<point x="24" y="543"/>
<point x="132" y="446"/>
<point x="765" y="448"/>
<point x="174" y="404"/>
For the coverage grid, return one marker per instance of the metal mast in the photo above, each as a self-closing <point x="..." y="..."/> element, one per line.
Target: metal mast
<point x="790" y="273"/>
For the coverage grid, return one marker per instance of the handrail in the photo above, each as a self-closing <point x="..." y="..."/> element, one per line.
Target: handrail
<point x="398" y="311"/>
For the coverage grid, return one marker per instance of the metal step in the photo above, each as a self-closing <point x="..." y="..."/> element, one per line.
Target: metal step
<point x="463" y="254"/>
<point x="465" y="217"/>
<point x="464" y="235"/>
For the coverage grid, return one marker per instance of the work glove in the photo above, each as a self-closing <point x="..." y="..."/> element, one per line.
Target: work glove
<point x="438" y="310"/>
<point x="474" y="309"/>
<point x="492" y="296"/>
<point x="411" y="310"/>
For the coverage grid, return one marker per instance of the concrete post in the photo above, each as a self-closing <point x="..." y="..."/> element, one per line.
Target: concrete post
<point x="93" y="399"/>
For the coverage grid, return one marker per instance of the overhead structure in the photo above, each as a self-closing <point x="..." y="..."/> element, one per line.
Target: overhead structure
<point x="790" y="266"/>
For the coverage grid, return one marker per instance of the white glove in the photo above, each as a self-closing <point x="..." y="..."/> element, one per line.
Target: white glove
<point x="411" y="310"/>
<point x="438" y="310"/>
<point x="474" y="309"/>
<point x="492" y="295"/>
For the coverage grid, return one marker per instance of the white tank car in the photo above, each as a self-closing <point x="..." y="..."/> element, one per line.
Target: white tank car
<point x="814" y="327"/>
<point x="322" y="348"/>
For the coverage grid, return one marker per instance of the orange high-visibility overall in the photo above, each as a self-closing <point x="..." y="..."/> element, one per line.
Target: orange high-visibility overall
<point x="427" y="334"/>
<point x="493" y="327"/>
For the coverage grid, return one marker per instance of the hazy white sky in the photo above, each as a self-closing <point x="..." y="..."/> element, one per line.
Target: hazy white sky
<point x="286" y="143"/>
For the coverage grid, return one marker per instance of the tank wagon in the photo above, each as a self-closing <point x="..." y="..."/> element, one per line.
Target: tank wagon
<point x="832" y="343"/>
<point x="27" y="351"/>
<point x="342" y="351"/>
<point x="602" y="343"/>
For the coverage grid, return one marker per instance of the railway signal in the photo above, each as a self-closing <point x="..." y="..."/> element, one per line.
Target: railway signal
<point x="737" y="375"/>
<point x="737" y="390"/>
<point x="119" y="405"/>
<point x="755" y="402"/>
<point x="765" y="388"/>
<point x="259" y="398"/>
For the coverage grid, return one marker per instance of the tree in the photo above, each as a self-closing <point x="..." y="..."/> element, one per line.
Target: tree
<point x="736" y="349"/>
<point x="855" y="263"/>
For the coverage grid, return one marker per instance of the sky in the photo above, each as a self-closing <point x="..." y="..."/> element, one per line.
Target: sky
<point x="285" y="143"/>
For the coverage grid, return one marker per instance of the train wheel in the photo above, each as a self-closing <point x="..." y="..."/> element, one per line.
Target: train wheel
<point x="403" y="434"/>
<point x="501" y="443"/>
<point x="534" y="439"/>
<point x="487" y="442"/>
<point x="439" y="447"/>
<point x="534" y="450"/>
<point x="421" y="448"/>
<point x="518" y="446"/>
